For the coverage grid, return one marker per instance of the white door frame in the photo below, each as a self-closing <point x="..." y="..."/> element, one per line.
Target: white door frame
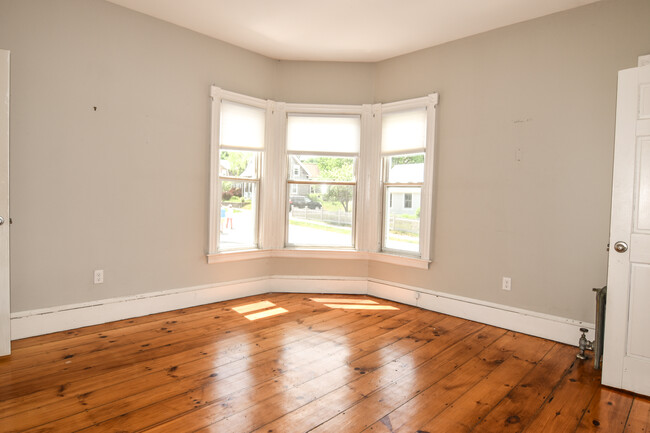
<point x="5" y="330"/>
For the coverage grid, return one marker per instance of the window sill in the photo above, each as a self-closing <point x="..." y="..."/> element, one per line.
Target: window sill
<point x="238" y="255"/>
<point x="323" y="254"/>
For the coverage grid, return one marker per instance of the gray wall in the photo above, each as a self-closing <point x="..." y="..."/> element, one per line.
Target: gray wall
<point x="548" y="88"/>
<point x="125" y="188"/>
<point x="326" y="82"/>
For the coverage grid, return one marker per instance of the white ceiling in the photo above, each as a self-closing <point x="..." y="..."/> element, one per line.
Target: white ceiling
<point x="344" y="30"/>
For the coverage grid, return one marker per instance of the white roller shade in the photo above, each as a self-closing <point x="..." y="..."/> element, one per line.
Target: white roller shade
<point x="242" y="126"/>
<point x="404" y="131"/>
<point x="314" y="134"/>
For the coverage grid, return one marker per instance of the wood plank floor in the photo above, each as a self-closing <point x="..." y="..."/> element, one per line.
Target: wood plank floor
<point x="306" y="363"/>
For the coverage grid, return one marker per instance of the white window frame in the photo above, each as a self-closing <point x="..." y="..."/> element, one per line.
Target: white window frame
<point x="369" y="206"/>
<point x="363" y="111"/>
<point x="430" y="103"/>
<point x="218" y="95"/>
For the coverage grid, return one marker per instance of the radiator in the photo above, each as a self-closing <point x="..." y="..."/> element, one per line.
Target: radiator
<point x="601" y="301"/>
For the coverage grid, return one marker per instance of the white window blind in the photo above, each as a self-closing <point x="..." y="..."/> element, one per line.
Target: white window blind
<point x="404" y="131"/>
<point x="319" y="134"/>
<point x="242" y="126"/>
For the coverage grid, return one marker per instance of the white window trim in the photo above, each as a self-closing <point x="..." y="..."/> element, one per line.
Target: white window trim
<point x="428" y="187"/>
<point x="368" y="218"/>
<point x="363" y="111"/>
<point x="217" y="94"/>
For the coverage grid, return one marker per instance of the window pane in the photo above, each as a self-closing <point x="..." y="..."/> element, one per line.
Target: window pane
<point x="408" y="200"/>
<point x="332" y="134"/>
<point x="322" y="218"/>
<point x="323" y="168"/>
<point x="242" y="125"/>
<point x="406" y="168"/>
<point x="238" y="215"/>
<point x="403" y="131"/>
<point x="402" y="222"/>
<point x="238" y="164"/>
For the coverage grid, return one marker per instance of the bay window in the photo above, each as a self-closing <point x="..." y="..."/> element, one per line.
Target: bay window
<point x="321" y="181"/>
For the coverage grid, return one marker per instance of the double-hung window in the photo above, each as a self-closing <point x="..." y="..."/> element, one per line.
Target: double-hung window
<point x="238" y="146"/>
<point x="322" y="153"/>
<point x="407" y="175"/>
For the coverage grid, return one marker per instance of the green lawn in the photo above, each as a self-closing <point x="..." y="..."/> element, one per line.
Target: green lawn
<point x="319" y="226"/>
<point x="403" y="237"/>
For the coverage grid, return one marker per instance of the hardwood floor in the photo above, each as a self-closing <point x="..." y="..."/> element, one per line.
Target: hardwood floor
<point x="313" y="366"/>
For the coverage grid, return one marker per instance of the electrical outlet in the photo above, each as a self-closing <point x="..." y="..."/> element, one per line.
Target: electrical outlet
<point x="98" y="277"/>
<point x="506" y="283"/>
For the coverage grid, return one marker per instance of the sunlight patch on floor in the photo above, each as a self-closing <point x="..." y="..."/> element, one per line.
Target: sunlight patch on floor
<point x="267" y="313"/>
<point x="353" y="304"/>
<point x="362" y="307"/>
<point x="253" y="307"/>
<point x="344" y="301"/>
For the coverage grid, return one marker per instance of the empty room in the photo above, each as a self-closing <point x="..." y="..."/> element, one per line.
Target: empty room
<point x="338" y="216"/>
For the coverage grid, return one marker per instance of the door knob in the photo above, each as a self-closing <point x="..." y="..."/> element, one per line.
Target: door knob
<point x="2" y="221"/>
<point x="620" y="247"/>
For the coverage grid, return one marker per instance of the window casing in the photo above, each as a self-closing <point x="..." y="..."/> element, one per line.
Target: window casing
<point x="322" y="152"/>
<point x="298" y="171"/>
<point x="407" y="153"/>
<point x="237" y="151"/>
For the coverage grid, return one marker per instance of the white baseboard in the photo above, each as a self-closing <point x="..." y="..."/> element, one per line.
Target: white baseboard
<point x="37" y="322"/>
<point x="294" y="284"/>
<point x="528" y="322"/>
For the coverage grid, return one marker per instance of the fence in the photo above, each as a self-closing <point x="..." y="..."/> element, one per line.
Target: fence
<point x="404" y="225"/>
<point x="337" y="217"/>
<point x="343" y="218"/>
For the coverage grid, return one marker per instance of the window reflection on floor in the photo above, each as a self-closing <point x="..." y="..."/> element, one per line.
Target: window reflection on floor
<point x="362" y="307"/>
<point x="253" y="307"/>
<point x="353" y="304"/>
<point x="344" y="301"/>
<point x="256" y="306"/>
<point x="267" y="313"/>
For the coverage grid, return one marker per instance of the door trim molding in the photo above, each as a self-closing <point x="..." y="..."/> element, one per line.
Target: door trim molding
<point x="5" y="290"/>
<point x="644" y="60"/>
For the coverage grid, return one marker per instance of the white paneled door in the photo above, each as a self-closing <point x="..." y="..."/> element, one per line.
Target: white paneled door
<point x="626" y="362"/>
<point x="5" y="334"/>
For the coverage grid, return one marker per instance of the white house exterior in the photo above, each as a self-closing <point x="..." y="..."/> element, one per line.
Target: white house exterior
<point x="405" y="200"/>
